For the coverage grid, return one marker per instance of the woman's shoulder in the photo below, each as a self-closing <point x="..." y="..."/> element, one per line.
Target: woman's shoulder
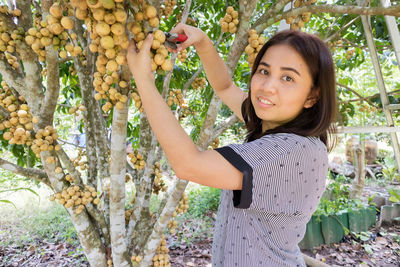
<point x="291" y="141"/>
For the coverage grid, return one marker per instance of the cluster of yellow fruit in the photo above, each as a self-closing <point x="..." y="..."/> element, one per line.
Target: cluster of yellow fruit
<point x="148" y="14"/>
<point x="105" y="21"/>
<point x="72" y="70"/>
<point x="367" y="108"/>
<point x="138" y="102"/>
<point x="297" y="21"/>
<point x="172" y="225"/>
<point x="74" y="110"/>
<point x="78" y="161"/>
<point x="53" y="31"/>
<point x="199" y="83"/>
<point x="183" y="207"/>
<point x="256" y="42"/>
<point x="333" y="44"/>
<point x="168" y="8"/>
<point x="183" y="204"/>
<point x="161" y="259"/>
<point x="215" y="143"/>
<point x="350" y="53"/>
<point x="159" y="184"/>
<point x="68" y="177"/>
<point x="12" y="60"/>
<point x="76" y="197"/>
<point x="182" y="56"/>
<point x="230" y="21"/>
<point x="15" y="12"/>
<point x="104" y="86"/>
<point x="45" y="140"/>
<point x="8" y="44"/>
<point x="136" y="259"/>
<point x="137" y="160"/>
<point x="189" y="21"/>
<point x="175" y="96"/>
<point x="20" y="120"/>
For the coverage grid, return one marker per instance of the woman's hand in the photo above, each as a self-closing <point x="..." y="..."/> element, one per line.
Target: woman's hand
<point x="139" y="62"/>
<point x="195" y="36"/>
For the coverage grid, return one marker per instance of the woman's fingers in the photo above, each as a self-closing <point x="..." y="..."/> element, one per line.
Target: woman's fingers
<point x="132" y="47"/>
<point x="179" y="28"/>
<point x="147" y="43"/>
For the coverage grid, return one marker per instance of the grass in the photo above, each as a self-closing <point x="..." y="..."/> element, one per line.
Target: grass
<point x="49" y="222"/>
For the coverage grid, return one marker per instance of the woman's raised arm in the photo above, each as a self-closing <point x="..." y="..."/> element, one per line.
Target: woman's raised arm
<point x="207" y="168"/>
<point x="215" y="68"/>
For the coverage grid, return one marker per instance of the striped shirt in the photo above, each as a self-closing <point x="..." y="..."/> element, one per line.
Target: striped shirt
<point x="283" y="180"/>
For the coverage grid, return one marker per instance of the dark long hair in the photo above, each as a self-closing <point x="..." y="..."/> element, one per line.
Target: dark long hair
<point x="316" y="120"/>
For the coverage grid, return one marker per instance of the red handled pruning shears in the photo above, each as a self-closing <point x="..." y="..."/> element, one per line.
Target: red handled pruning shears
<point x="172" y="39"/>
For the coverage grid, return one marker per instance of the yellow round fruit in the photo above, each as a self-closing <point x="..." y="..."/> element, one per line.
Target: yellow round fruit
<point x="81" y="14"/>
<point x="167" y="65"/>
<point x="118" y="29"/>
<point x="110" y="18"/>
<point x="7" y="136"/>
<point x="156" y="44"/>
<point x="120" y="15"/>
<point x="108" y="4"/>
<point x="110" y="53"/>
<point x="159" y="35"/>
<point x="135" y="29"/>
<point x="67" y="23"/>
<point x="154" y="22"/>
<point x="112" y="66"/>
<point x="159" y="59"/>
<point x="120" y="105"/>
<point x="121" y="60"/>
<point x="229" y="9"/>
<point x="151" y="11"/>
<point x="103" y="28"/>
<point x="139" y="16"/>
<point x="92" y="3"/>
<point x="98" y="14"/>
<point x="107" y="42"/>
<point x="56" y="10"/>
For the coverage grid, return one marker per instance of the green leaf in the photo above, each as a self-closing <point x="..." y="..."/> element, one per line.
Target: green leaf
<point x="8" y="202"/>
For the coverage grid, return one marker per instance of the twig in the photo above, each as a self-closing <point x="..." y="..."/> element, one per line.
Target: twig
<point x="357" y="94"/>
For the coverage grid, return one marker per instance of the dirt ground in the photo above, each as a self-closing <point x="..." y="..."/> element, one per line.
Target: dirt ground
<point x="378" y="247"/>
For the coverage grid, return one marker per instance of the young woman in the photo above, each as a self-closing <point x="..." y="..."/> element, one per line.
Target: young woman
<point x="278" y="175"/>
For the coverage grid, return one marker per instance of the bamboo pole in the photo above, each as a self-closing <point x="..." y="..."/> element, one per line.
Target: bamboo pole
<point x="381" y="84"/>
<point x="393" y="31"/>
<point x="367" y="129"/>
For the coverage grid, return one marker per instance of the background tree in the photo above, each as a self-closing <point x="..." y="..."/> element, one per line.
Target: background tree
<point x="68" y="57"/>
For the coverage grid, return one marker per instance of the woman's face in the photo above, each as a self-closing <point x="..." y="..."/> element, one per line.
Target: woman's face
<point x="281" y="86"/>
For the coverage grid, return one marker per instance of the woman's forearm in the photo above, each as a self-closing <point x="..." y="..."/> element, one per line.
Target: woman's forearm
<point x="215" y="68"/>
<point x="177" y="145"/>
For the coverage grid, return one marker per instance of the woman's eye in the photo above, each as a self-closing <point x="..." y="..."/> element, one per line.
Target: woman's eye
<point x="263" y="71"/>
<point x="287" y="78"/>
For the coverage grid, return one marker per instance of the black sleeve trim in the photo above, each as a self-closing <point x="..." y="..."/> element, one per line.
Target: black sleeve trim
<point x="241" y="198"/>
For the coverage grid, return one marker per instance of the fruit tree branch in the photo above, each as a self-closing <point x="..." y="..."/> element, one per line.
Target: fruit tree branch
<point x="31" y="173"/>
<point x="267" y="19"/>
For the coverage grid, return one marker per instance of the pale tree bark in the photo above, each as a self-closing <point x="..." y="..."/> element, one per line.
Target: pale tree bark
<point x="117" y="187"/>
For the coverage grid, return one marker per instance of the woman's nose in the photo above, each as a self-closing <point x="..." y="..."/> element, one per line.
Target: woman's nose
<point x="270" y="85"/>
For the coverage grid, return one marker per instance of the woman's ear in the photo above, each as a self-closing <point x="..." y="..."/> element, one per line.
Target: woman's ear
<point x="312" y="98"/>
